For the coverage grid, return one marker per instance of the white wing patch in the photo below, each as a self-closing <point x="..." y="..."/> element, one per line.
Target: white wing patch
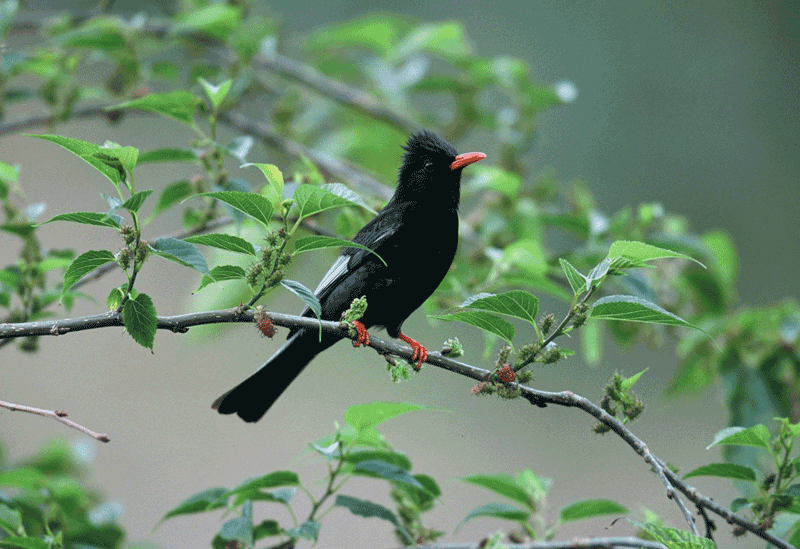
<point x="338" y="268"/>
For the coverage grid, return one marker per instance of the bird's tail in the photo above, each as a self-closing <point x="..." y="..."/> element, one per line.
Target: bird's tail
<point x="252" y="398"/>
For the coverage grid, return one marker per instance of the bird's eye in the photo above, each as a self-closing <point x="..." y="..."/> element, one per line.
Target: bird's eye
<point x="428" y="163"/>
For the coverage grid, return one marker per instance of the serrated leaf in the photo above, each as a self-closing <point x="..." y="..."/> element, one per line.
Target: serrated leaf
<point x="223" y="241"/>
<point x="206" y="500"/>
<point x="515" y="303"/>
<point x="348" y="194"/>
<point x="369" y="509"/>
<point x="576" y="280"/>
<point x="273" y="191"/>
<point x="598" y="272"/>
<point x="83" y="265"/>
<point x="308" y="530"/>
<point x="318" y="242"/>
<point x="179" y="105"/>
<point x="311" y="200"/>
<point x="497" y="510"/>
<point x="635" y="309"/>
<point x="139" y="318"/>
<point x="675" y="538"/>
<point x="221" y="273"/>
<point x="135" y="201"/>
<point x="589" y="508"/>
<point x="757" y="436"/>
<point x="365" y="416"/>
<point x="724" y="470"/>
<point x="86" y="152"/>
<point x="180" y="252"/>
<point x="504" y="485"/>
<point x="303" y="293"/>
<point x="88" y="218"/>
<point x="639" y="252"/>
<point x="387" y="471"/>
<point x="483" y="320"/>
<point x="170" y="195"/>
<point x="628" y="383"/>
<point x="271" y="480"/>
<point x="252" y="204"/>
<point x="216" y="94"/>
<point x="166" y="155"/>
<point x="114" y="153"/>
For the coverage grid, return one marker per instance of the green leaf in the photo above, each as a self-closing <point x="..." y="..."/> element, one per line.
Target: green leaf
<point x="639" y="252"/>
<point x="369" y="509"/>
<point x="216" y="94"/>
<point x="674" y="538"/>
<point x="22" y="230"/>
<point x="527" y="255"/>
<point x="496" y="179"/>
<point x="367" y="416"/>
<point x="86" y="152"/>
<point x="221" y="273"/>
<point x="216" y="20"/>
<point x="113" y="153"/>
<point x="271" y="480"/>
<point x="515" y="303"/>
<point x="576" y="280"/>
<point x="446" y="40"/>
<point x="724" y="470"/>
<point x="139" y="317"/>
<point x="308" y="530"/>
<point x="179" y="105"/>
<point x="318" y="242"/>
<point x="483" y="320"/>
<point x="273" y="191"/>
<point x="206" y="500"/>
<point x="180" y="252"/>
<point x="388" y="471"/>
<point x="25" y="478"/>
<point x="135" y="201"/>
<point x="598" y="272"/>
<point x="635" y="309"/>
<point x="252" y="204"/>
<point x="88" y="218"/>
<point x="628" y="383"/>
<point x="170" y="195"/>
<point x="400" y="460"/>
<point x="303" y="293"/>
<point x="342" y="191"/>
<point x="311" y="200"/>
<point x="504" y="485"/>
<point x="499" y="511"/>
<point x="14" y="542"/>
<point x="167" y="155"/>
<point x="377" y="33"/>
<point x="589" y="508"/>
<point x="83" y="265"/>
<point x="757" y="436"/>
<point x="98" y="33"/>
<point x="224" y="242"/>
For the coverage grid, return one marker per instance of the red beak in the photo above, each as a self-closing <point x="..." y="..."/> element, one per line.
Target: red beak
<point x="466" y="159"/>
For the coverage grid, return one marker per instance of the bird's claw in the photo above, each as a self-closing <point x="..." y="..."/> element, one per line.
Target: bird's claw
<point x="420" y="352"/>
<point x="362" y="337"/>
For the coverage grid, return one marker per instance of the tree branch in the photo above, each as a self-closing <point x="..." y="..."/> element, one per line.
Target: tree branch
<point x="577" y="543"/>
<point x="54" y="414"/>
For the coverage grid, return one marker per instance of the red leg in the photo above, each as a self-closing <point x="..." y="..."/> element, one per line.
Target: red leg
<point x="419" y="350"/>
<point x="363" y="335"/>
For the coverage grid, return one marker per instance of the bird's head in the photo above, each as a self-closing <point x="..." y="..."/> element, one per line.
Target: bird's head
<point x="431" y="169"/>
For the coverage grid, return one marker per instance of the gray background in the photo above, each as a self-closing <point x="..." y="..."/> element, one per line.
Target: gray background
<point x="691" y="104"/>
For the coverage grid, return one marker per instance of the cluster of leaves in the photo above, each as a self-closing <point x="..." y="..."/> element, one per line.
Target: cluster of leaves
<point x="358" y="449"/>
<point x="774" y="493"/>
<point x="44" y="504"/>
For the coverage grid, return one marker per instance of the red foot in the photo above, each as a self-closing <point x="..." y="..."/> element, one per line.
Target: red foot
<point x="419" y="350"/>
<point x="363" y="335"/>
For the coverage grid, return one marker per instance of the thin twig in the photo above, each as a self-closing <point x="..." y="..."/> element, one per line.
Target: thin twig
<point x="54" y="414"/>
<point x="576" y="543"/>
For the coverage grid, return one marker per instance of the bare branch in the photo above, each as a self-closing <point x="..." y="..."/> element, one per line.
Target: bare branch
<point x="54" y="414"/>
<point x="577" y="543"/>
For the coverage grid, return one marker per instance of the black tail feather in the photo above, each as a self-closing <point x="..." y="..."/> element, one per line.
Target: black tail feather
<point x="251" y="399"/>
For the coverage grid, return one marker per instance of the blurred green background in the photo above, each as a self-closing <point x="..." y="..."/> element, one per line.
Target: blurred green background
<point x="694" y="105"/>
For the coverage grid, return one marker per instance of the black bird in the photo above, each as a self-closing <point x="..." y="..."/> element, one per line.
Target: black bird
<point x="416" y="234"/>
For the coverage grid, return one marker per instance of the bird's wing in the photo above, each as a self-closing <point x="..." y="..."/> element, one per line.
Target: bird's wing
<point x="371" y="235"/>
